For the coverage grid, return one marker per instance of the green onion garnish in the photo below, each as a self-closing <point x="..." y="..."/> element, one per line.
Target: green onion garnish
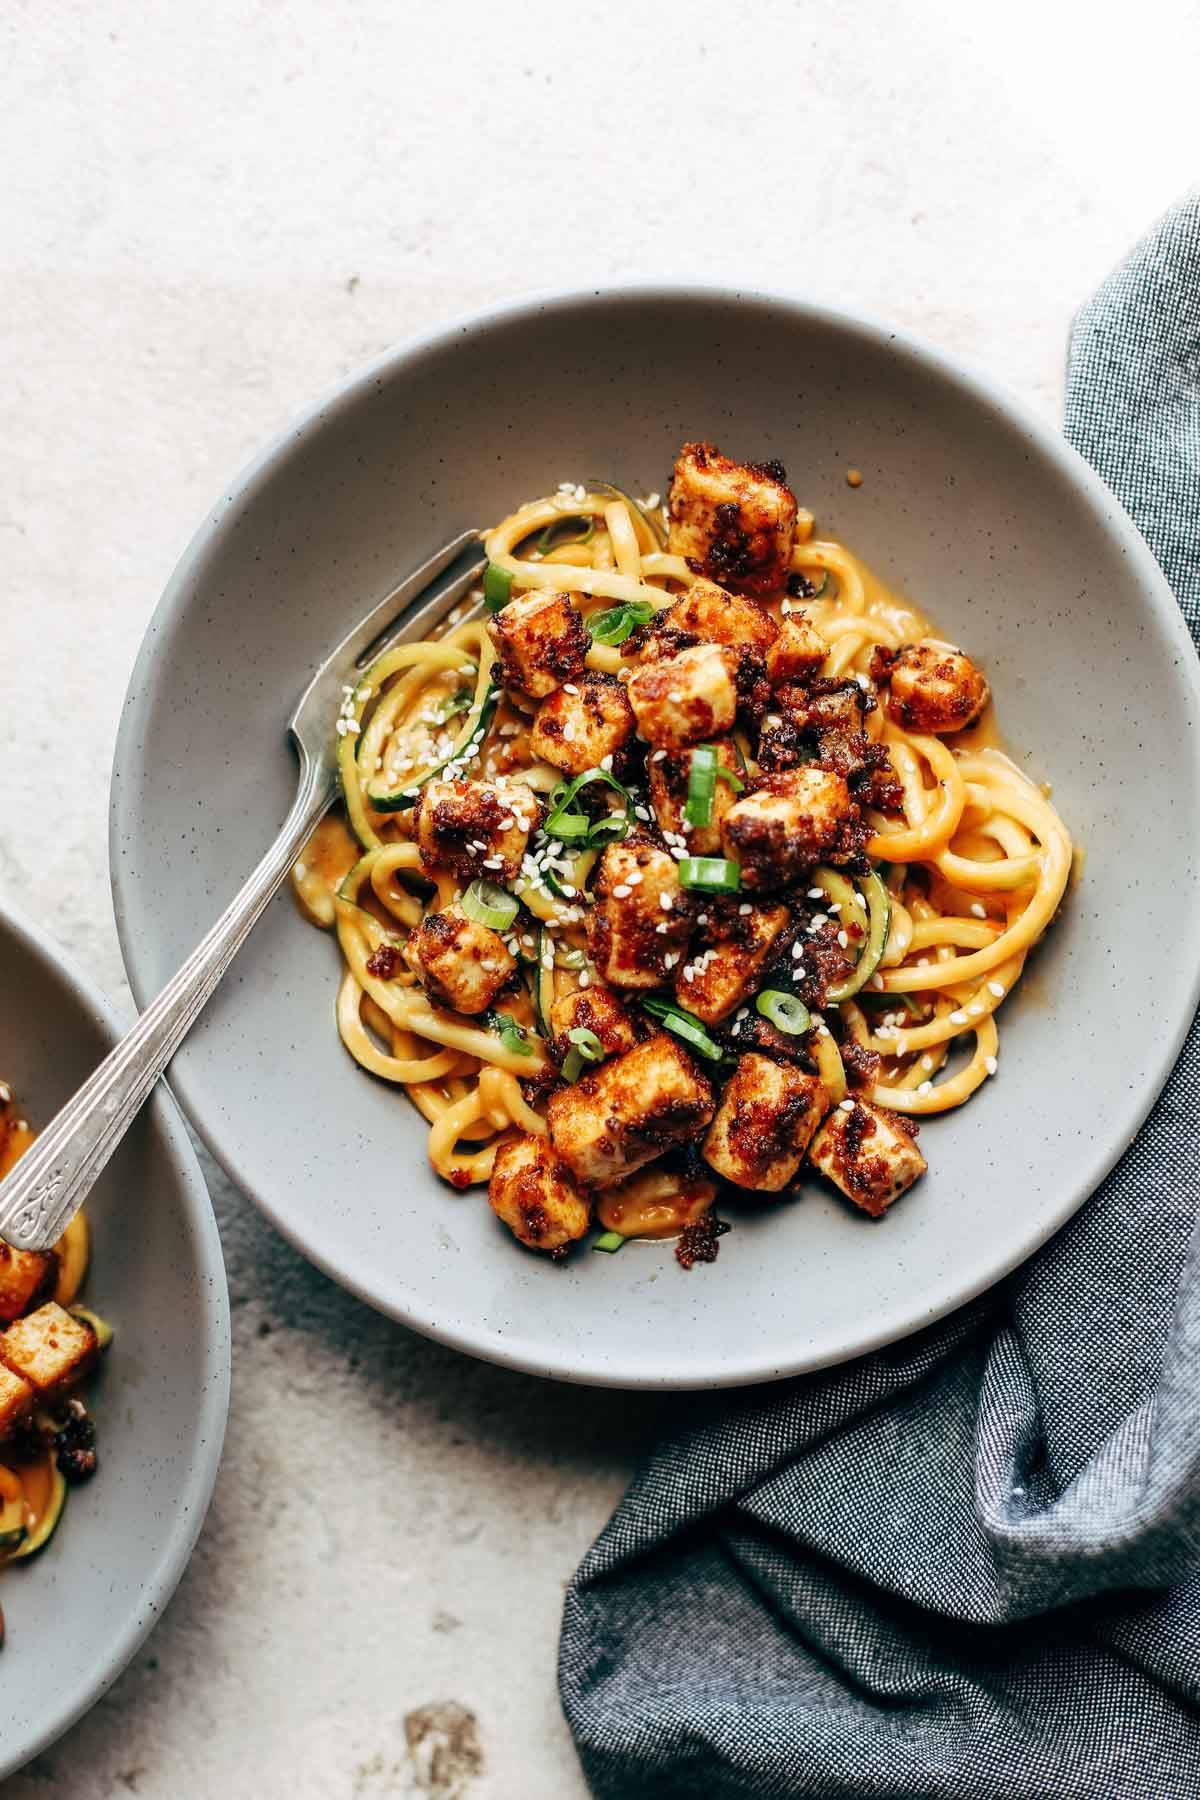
<point x="559" y="533"/>
<point x="497" y="587"/>
<point x="609" y="1241"/>
<point x="685" y="1025"/>
<point x="585" y="1048"/>
<point x="511" y="1035"/>
<point x="705" y="772"/>
<point x="702" y="786"/>
<point x="784" y="1011"/>
<point x="489" y="905"/>
<point x="576" y="827"/>
<point x="615" y="625"/>
<point x="710" y="874"/>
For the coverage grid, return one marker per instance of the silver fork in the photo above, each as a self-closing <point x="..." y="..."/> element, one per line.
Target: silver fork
<point x="41" y="1196"/>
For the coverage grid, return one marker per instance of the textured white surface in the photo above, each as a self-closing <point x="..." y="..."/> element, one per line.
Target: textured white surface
<point x="212" y="214"/>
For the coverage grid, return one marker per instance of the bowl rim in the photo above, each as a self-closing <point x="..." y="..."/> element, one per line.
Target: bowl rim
<point x="510" y="1351"/>
<point x="215" y="1347"/>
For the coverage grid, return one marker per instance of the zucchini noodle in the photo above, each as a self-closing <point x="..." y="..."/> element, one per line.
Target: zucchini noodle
<point x="975" y="863"/>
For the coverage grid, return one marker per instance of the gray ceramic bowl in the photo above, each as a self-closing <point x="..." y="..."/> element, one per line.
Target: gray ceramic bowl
<point x="970" y="506"/>
<point x="77" y="1613"/>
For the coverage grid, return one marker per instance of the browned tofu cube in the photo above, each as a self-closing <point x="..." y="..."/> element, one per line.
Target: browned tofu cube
<point x="669" y="772"/>
<point x="639" y="926"/>
<point x="541" y="642"/>
<point x="789" y="823"/>
<point x="16" y="1401"/>
<point x="595" y="1009"/>
<point x="628" y="1111"/>
<point x="459" y="962"/>
<point x="24" y="1276"/>
<point x="475" y="828"/>
<point x="797" y="653"/>
<point x="581" y="723"/>
<point x="736" y="520"/>
<point x="49" y="1348"/>
<point x="869" y="1154"/>
<point x="532" y="1190"/>
<point x="734" y="945"/>
<point x="655" y="1203"/>
<point x="935" y="688"/>
<point x="715" y="616"/>
<point x="686" y="697"/>
<point x="767" y="1116"/>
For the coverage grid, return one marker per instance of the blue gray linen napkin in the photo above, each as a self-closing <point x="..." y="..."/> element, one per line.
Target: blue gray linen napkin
<point x="968" y="1567"/>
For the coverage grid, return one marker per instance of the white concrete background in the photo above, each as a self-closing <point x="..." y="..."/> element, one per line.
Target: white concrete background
<point x="210" y="214"/>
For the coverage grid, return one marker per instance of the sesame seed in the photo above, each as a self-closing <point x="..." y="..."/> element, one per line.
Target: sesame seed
<point x="585" y="979"/>
<point x="978" y="910"/>
<point x="877" y="981"/>
<point x="634" y="878"/>
<point x="606" y="763"/>
<point x="702" y="919"/>
<point x="569" y="687"/>
<point x="927" y="1062"/>
<point x="958" y="1018"/>
<point x="666" y="902"/>
<point x="657" y="755"/>
<point x="661" y="928"/>
<point x="797" y="951"/>
<point x="842" y="939"/>
<point x="675" y="697"/>
<point x="493" y="862"/>
<point x="997" y="988"/>
<point x="990" y="1064"/>
<point x="642" y="813"/>
<point x="926" y="1087"/>
<point x="745" y="909"/>
<point x="815" y="894"/>
<point x="847" y="1105"/>
<point x="506" y="824"/>
<point x="621" y="892"/>
<point x="569" y="732"/>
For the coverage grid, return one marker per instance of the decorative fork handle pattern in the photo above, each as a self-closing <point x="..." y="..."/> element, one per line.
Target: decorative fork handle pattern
<point x="41" y="1196"/>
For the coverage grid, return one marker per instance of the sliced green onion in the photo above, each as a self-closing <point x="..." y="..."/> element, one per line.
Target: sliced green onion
<point x="587" y="1043"/>
<point x="564" y="822"/>
<point x="879" y="920"/>
<point x="511" y="1035"/>
<point x="710" y="874"/>
<point x="489" y="905"/>
<point x="785" y="1011"/>
<point x="685" y="1025"/>
<point x="727" y="775"/>
<point x="557" y="534"/>
<point x="702" y="786"/>
<point x="497" y="587"/>
<point x="572" y="1065"/>
<point x="609" y="1241"/>
<point x="615" y="625"/>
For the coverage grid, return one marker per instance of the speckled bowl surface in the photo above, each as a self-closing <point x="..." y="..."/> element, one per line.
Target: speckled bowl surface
<point x="979" y="513"/>
<point x="76" y="1613"/>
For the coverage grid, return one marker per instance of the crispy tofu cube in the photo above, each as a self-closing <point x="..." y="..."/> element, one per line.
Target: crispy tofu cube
<point x="669" y="772"/>
<point x="541" y="642"/>
<point x="869" y="1154"/>
<point x="581" y="723"/>
<point x="16" y="1400"/>
<point x="768" y="1113"/>
<point x="639" y="927"/>
<point x="736" y="520"/>
<point x="628" y="1111"/>
<point x="798" y="652"/>
<point x="935" y="688"/>
<point x="596" y="1009"/>
<point x="459" y="962"/>
<point x="686" y="697"/>
<point x="533" y="1191"/>
<point x="24" y="1276"/>
<point x="737" y="946"/>
<point x="715" y="616"/>
<point x="49" y="1348"/>
<point x="786" y="825"/>
<point x="655" y="1203"/>
<point x="455" y="818"/>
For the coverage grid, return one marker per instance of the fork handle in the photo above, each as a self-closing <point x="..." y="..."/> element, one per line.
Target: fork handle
<point x="41" y="1196"/>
